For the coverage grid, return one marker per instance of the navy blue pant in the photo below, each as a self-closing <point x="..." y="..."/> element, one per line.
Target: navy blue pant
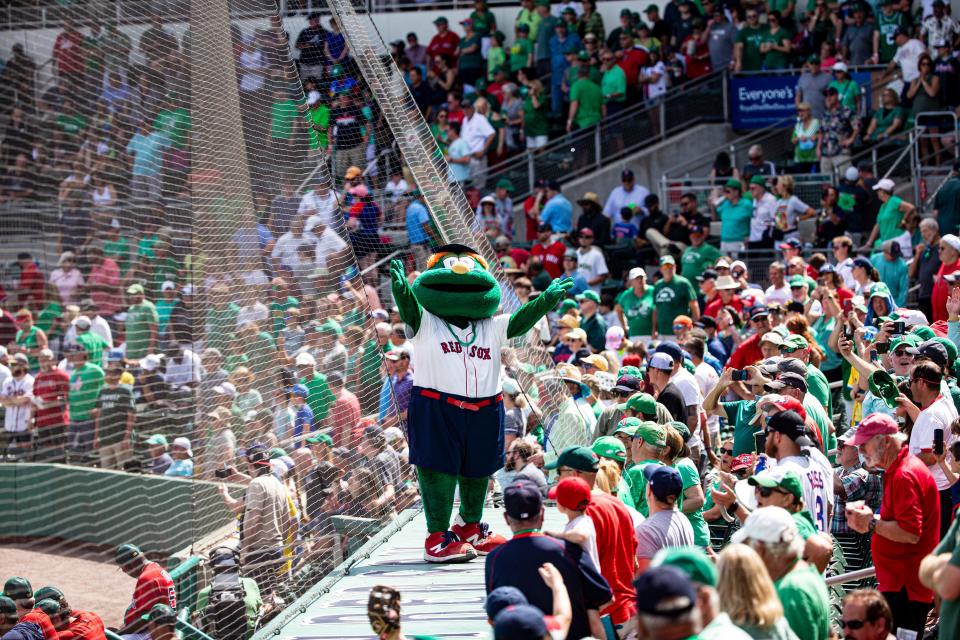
<point x="459" y="441"/>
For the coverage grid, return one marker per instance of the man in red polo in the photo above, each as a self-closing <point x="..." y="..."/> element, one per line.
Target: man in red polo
<point x="616" y="537"/>
<point x="749" y="350"/>
<point x="908" y="525"/>
<point x="550" y="251"/>
<point x="50" y="390"/>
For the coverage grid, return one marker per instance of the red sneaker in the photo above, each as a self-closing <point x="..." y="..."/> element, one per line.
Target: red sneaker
<point x="445" y="546"/>
<point x="478" y="534"/>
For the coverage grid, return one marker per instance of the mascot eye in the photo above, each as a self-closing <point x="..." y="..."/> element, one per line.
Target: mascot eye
<point x="450" y="261"/>
<point x="469" y="262"/>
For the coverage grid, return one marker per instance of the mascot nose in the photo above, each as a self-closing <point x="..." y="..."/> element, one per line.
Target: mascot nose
<point x="459" y="268"/>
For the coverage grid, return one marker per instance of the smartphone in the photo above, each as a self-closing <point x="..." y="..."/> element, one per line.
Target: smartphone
<point x="883" y="347"/>
<point x="899" y="327"/>
<point x="760" y="442"/>
<point x="740" y="375"/>
<point x="222" y="473"/>
<point x="847" y="306"/>
<point x="874" y="356"/>
<point x="938" y="442"/>
<point x="848" y="334"/>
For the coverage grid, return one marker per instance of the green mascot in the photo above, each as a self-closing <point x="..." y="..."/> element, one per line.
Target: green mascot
<point x="455" y="415"/>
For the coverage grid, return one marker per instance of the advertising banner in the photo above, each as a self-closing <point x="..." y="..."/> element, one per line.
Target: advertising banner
<point x="758" y="101"/>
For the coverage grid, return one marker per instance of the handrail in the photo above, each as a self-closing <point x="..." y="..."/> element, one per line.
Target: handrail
<point x="850" y="576"/>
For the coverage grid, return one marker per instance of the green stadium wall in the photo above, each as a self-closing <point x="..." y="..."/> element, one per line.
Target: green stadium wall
<point x="160" y="515"/>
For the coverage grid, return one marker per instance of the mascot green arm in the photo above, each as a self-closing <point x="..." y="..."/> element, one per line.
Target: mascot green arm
<point x="527" y="316"/>
<point x="407" y="305"/>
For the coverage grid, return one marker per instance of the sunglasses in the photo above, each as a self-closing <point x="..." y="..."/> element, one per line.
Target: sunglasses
<point x="852" y="624"/>
<point x="766" y="492"/>
<point x="789" y="349"/>
<point x="900" y="353"/>
<point x="726" y="452"/>
<point x="679" y="327"/>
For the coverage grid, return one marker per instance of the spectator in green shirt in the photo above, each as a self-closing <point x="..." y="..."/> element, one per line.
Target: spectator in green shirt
<point x="613" y="84"/>
<point x="521" y="53"/>
<point x="321" y="398"/>
<point x="529" y="18"/>
<point x="735" y="213"/>
<point x="673" y="296"/>
<point x="141" y="325"/>
<point x="747" y="55"/>
<point x="484" y="22"/>
<point x="698" y="256"/>
<point x="85" y="384"/>
<point x="739" y="414"/>
<point x="93" y="343"/>
<point x="586" y="101"/>
<point x="634" y="306"/>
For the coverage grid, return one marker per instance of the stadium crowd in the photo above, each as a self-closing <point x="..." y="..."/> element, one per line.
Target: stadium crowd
<point x="811" y="401"/>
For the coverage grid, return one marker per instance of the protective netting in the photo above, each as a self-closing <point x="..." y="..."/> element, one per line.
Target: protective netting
<point x="200" y="232"/>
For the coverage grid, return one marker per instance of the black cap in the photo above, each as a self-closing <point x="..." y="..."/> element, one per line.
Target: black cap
<point x="792" y="365"/>
<point x="672" y="349"/>
<point x="708" y="322"/>
<point x="581" y="355"/>
<point x="759" y="311"/>
<point x="790" y="424"/>
<point x="788" y="379"/>
<point x="626" y="174"/>
<point x="522" y="499"/>
<point x="553" y="185"/>
<point x="708" y="274"/>
<point x="627" y="384"/>
<point x="545" y="226"/>
<point x="934" y="351"/>
<point x="665" y="591"/>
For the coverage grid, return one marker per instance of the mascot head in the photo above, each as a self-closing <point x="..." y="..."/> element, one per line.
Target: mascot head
<point x="456" y="283"/>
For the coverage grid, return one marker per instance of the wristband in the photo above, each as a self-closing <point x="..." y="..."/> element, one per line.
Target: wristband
<point x="732" y="509"/>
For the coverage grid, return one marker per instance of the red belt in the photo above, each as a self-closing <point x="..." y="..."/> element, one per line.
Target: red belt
<point x="462" y="404"/>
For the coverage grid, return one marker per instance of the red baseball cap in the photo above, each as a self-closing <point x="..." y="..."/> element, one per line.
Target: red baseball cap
<point x="571" y="493"/>
<point x="875" y="424"/>
<point x="742" y="461"/>
<point x="786" y="403"/>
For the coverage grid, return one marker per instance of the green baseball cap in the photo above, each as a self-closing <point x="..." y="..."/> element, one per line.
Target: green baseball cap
<point x="759" y="179"/>
<point x="882" y="385"/>
<point x="733" y="183"/>
<point x="276" y="452"/>
<point x="589" y="294"/>
<point x="691" y="560"/>
<point x="8" y="608"/>
<point x="683" y="429"/>
<point x="134" y="289"/>
<point x="668" y="259"/>
<point x="579" y="458"/>
<point x="610" y="448"/>
<point x="543" y="3"/>
<point x="320" y="438"/>
<point x="795" y="342"/>
<point x="504" y="183"/>
<point x="127" y="553"/>
<point x="909" y="339"/>
<point x="627" y="426"/>
<point x="641" y="402"/>
<point x="49" y="607"/>
<point x="923" y="332"/>
<point x="160" y="614"/>
<point x="630" y="370"/>
<point x="157" y="439"/>
<point x="879" y="290"/>
<point x="652" y="432"/>
<point x="441" y="20"/>
<point x="787" y="481"/>
<point x="48" y="593"/>
<point x="797" y="281"/>
<point x="331" y="327"/>
<point x="17" y="588"/>
<point x="567" y="304"/>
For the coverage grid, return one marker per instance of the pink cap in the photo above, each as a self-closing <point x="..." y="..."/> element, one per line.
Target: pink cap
<point x="875" y="424"/>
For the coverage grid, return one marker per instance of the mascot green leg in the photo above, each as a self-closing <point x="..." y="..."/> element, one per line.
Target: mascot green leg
<point x="436" y="491"/>
<point x="473" y="493"/>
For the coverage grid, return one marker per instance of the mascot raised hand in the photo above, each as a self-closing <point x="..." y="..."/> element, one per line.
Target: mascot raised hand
<point x="455" y="416"/>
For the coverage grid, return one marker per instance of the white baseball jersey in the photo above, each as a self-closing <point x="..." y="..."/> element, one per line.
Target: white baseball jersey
<point x="463" y="362"/>
<point x="17" y="419"/>
<point x="816" y="474"/>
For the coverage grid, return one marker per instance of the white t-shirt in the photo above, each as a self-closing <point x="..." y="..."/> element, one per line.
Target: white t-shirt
<point x="321" y="209"/>
<point x="475" y="131"/>
<point x="938" y="415"/>
<point x="585" y="527"/>
<point x="845" y="269"/>
<point x="327" y="243"/>
<point x="778" y="296"/>
<point x="463" y="362"/>
<point x="620" y="198"/>
<point x="816" y="474"/>
<point x="762" y="216"/>
<point x="285" y="250"/>
<point x="17" y="419"/>
<point x="659" y="87"/>
<point x="690" y="388"/>
<point x="708" y="378"/>
<point x="908" y="57"/>
<point x="592" y="264"/>
<point x="787" y="212"/>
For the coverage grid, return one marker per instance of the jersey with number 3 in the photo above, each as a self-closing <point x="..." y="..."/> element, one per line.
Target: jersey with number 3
<point x="463" y="362"/>
<point x="816" y="475"/>
<point x="154" y="586"/>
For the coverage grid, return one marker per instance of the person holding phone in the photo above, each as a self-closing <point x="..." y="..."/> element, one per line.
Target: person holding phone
<point x="932" y="416"/>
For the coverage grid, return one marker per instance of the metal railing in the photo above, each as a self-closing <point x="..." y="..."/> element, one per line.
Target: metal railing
<point x="643" y="125"/>
<point x="851" y="576"/>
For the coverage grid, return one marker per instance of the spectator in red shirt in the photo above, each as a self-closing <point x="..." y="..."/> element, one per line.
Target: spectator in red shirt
<point x="345" y="411"/>
<point x="31" y="285"/>
<point x="445" y="42"/>
<point x="908" y="525"/>
<point x="749" y="350"/>
<point x="42" y="616"/>
<point x="154" y="586"/>
<point x="50" y="390"/>
<point x="68" y="51"/>
<point x="532" y="207"/>
<point x="616" y="538"/>
<point x="550" y="251"/>
<point x="8" y="326"/>
<point x="631" y="59"/>
<point x="726" y="288"/>
<point x="949" y="249"/>
<point x="71" y="624"/>
<point x="696" y="52"/>
<point x="103" y="282"/>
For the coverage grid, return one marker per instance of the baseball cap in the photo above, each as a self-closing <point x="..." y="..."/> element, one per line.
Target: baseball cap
<point x="17" y="588"/>
<point x="519" y="622"/>
<point x="135" y="289"/>
<point x="627" y="384"/>
<point x="48" y="593"/>
<point x="626" y="175"/>
<point x="651" y="432"/>
<point x="589" y="295"/>
<point x="667" y="260"/>
<point x="788" y="379"/>
<point x="875" y="424"/>
<point x="664" y="482"/>
<point x="571" y="493"/>
<point x="885" y="184"/>
<point x="82" y="323"/>
<point x="883" y="386"/>
<point x="671" y="348"/>
<point x="691" y="560"/>
<point x="300" y="390"/>
<point x="637" y="272"/>
<point x="772" y="337"/>
<point x="758" y="312"/>
<point x="664" y="591"/>
<point x="767" y="524"/>
<point x="226" y="389"/>
<point x="545" y="226"/>
<point x="840" y="66"/>
<point x="579" y="458"/>
<point x="305" y="359"/>
<point x="440" y="20"/>
<point x="661" y="361"/>
<point x="501" y="598"/>
<point x="610" y="448"/>
<point x="183" y="443"/>
<point x="627" y="426"/>
<point x="320" y="438"/>
<point x="157" y="439"/>
<point x="742" y="461"/>
<point x="127" y="553"/>
<point x="21" y="358"/>
<point x="8" y="608"/>
<point x="356" y="172"/>
<point x="779" y="478"/>
<point x="522" y="499"/>
<point x="597" y="361"/>
<point x="934" y="351"/>
<point x="49" y="607"/>
<point x="794" y="342"/>
<point x="790" y="424"/>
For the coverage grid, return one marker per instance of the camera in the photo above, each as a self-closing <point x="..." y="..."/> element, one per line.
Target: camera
<point x="899" y="327"/>
<point x="740" y="375"/>
<point x="222" y="473"/>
